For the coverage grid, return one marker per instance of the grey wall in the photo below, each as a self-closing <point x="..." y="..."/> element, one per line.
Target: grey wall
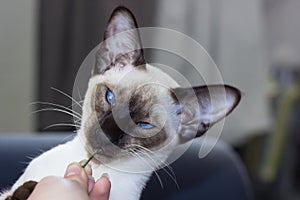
<point x="17" y="52"/>
<point x="232" y="32"/>
<point x="283" y="30"/>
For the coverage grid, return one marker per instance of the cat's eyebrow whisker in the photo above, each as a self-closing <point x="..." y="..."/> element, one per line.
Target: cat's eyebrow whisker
<point x="65" y="94"/>
<point x="62" y="124"/>
<point x="57" y="110"/>
<point x="172" y="175"/>
<point x="145" y="161"/>
<point x="57" y="105"/>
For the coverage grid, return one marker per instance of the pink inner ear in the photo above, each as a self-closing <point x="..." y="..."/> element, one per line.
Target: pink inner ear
<point x="118" y="24"/>
<point x="122" y="44"/>
<point x="121" y="20"/>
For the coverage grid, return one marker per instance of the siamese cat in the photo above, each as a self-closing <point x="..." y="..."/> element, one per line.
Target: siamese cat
<point x="134" y="114"/>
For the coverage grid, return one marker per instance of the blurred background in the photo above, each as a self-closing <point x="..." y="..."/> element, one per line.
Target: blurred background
<point x="255" y="44"/>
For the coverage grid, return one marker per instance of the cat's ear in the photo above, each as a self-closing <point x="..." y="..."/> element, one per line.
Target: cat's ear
<point x="201" y="107"/>
<point x="122" y="44"/>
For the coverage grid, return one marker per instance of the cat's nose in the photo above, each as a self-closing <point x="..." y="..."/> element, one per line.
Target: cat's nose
<point x="114" y="128"/>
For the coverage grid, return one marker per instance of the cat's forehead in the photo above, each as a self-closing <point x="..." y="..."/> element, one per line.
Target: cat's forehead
<point x="130" y="78"/>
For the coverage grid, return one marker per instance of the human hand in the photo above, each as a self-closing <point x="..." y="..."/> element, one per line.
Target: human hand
<point x="77" y="184"/>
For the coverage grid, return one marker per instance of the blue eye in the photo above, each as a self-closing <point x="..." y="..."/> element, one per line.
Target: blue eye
<point x="110" y="98"/>
<point x="144" y="125"/>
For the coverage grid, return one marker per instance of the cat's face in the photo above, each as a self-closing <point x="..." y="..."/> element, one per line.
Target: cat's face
<point x="131" y="107"/>
<point x="129" y="110"/>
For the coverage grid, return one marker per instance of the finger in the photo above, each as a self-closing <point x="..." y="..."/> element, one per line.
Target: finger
<point x="89" y="172"/>
<point x="44" y="189"/>
<point x="91" y="183"/>
<point x="101" y="189"/>
<point x="87" y="168"/>
<point x="76" y="173"/>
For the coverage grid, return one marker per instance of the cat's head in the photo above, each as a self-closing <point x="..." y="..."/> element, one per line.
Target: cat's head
<point x="132" y="109"/>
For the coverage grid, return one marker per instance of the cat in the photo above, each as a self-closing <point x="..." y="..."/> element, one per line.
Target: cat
<point x="134" y="114"/>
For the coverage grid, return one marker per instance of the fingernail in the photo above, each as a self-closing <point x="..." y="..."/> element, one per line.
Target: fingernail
<point x="91" y="178"/>
<point x="73" y="169"/>
<point x="105" y="175"/>
<point x="82" y="162"/>
<point x="88" y="169"/>
<point x="90" y="183"/>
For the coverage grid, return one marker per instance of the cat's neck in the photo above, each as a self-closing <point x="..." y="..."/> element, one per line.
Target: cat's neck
<point x="124" y="184"/>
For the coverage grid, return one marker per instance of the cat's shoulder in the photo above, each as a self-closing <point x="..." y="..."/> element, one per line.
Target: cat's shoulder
<point x="53" y="162"/>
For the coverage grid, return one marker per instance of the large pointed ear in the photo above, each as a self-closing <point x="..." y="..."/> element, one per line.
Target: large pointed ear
<point x="201" y="107"/>
<point x="122" y="44"/>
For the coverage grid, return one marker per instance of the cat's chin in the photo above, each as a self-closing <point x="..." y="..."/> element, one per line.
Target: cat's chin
<point x="102" y="160"/>
<point x="107" y="157"/>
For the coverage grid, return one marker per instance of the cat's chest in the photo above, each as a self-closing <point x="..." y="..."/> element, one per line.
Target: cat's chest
<point x="125" y="185"/>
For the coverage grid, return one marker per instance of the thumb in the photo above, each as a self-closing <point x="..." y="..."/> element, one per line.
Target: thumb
<point x="76" y="173"/>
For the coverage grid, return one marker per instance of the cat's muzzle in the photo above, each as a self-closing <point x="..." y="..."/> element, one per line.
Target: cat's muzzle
<point x="114" y="128"/>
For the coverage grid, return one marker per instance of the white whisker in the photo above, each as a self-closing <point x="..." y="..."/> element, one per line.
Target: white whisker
<point x="62" y="124"/>
<point x="145" y="161"/>
<point x="76" y="105"/>
<point x="161" y="163"/>
<point x="57" y="105"/>
<point x="57" y="110"/>
<point x="63" y="93"/>
<point x="77" y="122"/>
